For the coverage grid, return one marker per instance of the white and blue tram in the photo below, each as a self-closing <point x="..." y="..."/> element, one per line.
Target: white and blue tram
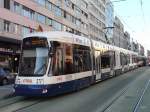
<point x="56" y="62"/>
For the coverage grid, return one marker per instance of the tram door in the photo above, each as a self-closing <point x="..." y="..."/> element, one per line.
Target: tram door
<point x="98" y="65"/>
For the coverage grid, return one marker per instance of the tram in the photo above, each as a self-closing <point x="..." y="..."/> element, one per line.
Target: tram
<point x="58" y="62"/>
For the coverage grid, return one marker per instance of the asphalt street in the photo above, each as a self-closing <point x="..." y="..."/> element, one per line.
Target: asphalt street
<point x="124" y="93"/>
<point x="6" y="91"/>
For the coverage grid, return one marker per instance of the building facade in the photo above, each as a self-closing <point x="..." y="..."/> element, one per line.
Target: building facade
<point x="134" y="46"/>
<point x="109" y="21"/>
<point x="141" y="50"/>
<point x="19" y="17"/>
<point x="148" y="53"/>
<point x="126" y="43"/>
<point x="97" y="19"/>
<point x="118" y="33"/>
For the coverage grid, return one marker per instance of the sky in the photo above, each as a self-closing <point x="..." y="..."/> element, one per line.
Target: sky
<point x="136" y="19"/>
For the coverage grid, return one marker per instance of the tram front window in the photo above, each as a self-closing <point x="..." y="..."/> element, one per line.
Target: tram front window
<point x="34" y="62"/>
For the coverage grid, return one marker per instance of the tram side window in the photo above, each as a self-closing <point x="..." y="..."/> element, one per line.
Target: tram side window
<point x="57" y="59"/>
<point x="134" y="59"/>
<point x="128" y="58"/>
<point x="113" y="59"/>
<point x="68" y="59"/>
<point x="105" y="60"/>
<point x="81" y="59"/>
<point x="123" y="59"/>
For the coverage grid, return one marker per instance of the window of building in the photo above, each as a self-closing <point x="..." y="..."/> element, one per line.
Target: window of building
<point x="41" y="18"/>
<point x="68" y="17"/>
<point x="7" y="4"/>
<point x="28" y="13"/>
<point x="78" y="23"/>
<point x="25" y="30"/>
<point x="83" y="4"/>
<point x="15" y="28"/>
<point x="57" y="11"/>
<point x="41" y="2"/>
<point x="58" y="2"/>
<point x="49" y="6"/>
<point x="49" y="21"/>
<point x="6" y="26"/>
<point x="16" y="7"/>
<point x="78" y="11"/>
<point x="65" y="14"/>
<point x="68" y="3"/>
<point x="57" y="26"/>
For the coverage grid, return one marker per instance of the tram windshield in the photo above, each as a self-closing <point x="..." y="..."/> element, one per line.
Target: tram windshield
<point x="34" y="59"/>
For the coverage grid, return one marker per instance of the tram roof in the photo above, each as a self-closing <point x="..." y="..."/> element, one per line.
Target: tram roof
<point x="75" y="39"/>
<point x="62" y="37"/>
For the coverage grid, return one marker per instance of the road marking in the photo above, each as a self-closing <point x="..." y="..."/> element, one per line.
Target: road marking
<point x="141" y="97"/>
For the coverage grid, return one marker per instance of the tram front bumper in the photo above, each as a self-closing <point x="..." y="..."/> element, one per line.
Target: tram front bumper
<point x="30" y="90"/>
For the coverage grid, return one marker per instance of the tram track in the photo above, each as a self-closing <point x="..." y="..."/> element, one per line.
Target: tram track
<point x="106" y="107"/>
<point x="139" y="94"/>
<point x="18" y="103"/>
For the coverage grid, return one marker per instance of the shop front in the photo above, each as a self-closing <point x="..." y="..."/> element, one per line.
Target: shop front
<point x="9" y="55"/>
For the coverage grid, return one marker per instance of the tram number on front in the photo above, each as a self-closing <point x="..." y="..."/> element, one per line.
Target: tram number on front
<point x="28" y="81"/>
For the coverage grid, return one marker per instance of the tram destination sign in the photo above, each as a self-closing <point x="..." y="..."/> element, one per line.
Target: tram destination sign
<point x="32" y="42"/>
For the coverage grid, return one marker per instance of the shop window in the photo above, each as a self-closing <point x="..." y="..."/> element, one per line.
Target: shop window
<point x="7" y="4"/>
<point x="6" y="26"/>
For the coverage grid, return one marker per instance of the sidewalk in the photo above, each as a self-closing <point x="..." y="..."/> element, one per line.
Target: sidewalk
<point x="136" y="98"/>
<point x="6" y="91"/>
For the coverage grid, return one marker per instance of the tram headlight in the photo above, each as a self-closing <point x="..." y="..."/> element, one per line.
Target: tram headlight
<point x="40" y="81"/>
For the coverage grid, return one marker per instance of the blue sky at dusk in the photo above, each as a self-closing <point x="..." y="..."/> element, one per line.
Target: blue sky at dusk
<point x="136" y="19"/>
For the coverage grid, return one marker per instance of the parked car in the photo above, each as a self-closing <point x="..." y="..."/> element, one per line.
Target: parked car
<point x="6" y="77"/>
